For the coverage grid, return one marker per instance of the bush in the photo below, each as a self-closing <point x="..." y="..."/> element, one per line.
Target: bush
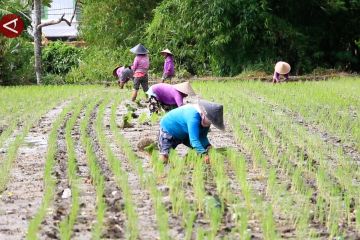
<point x="59" y="58"/>
<point x="16" y="61"/>
<point x="53" y="79"/>
<point x="97" y="65"/>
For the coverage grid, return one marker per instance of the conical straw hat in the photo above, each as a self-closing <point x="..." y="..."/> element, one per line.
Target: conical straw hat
<point x="214" y="112"/>
<point x="167" y="51"/>
<point x="282" y="67"/>
<point x="185" y="88"/>
<point x="115" y="71"/>
<point x="139" y="49"/>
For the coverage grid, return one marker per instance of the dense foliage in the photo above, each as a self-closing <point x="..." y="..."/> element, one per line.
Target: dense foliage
<point x="16" y="55"/>
<point x="59" y="58"/>
<point x="207" y="37"/>
<point x="226" y="37"/>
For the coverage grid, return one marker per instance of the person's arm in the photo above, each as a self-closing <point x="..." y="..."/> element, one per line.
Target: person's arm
<point x="135" y="64"/>
<point x="204" y="139"/>
<point x="194" y="136"/>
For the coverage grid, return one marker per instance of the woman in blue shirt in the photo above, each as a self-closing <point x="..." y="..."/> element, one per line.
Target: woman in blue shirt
<point x="189" y="125"/>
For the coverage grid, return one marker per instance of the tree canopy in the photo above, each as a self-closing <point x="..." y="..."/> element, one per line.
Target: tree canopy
<point x="225" y="37"/>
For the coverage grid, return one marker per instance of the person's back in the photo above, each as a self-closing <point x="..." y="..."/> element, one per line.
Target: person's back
<point x="184" y="123"/>
<point x="167" y="94"/>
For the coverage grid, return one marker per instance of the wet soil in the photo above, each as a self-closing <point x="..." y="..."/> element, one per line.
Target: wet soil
<point x="115" y="214"/>
<point x="24" y="193"/>
<point x="140" y="196"/>
<point x="61" y="206"/>
<point x="87" y="194"/>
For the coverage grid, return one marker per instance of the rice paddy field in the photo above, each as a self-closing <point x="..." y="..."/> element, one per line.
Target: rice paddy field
<point x="73" y="165"/>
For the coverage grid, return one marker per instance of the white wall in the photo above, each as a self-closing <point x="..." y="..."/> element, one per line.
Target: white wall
<point x="57" y="9"/>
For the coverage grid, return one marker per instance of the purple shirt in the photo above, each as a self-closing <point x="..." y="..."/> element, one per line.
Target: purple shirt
<point x="277" y="76"/>
<point x="169" y="66"/>
<point x="167" y="94"/>
<point x="141" y="64"/>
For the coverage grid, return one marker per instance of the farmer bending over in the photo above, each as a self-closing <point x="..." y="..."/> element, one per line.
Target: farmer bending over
<point x="281" y="68"/>
<point x="123" y="74"/>
<point x="190" y="125"/>
<point x="140" y="68"/>
<point x="168" y="96"/>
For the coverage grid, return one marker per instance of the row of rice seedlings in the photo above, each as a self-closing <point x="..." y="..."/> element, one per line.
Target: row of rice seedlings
<point x="180" y="205"/>
<point x="314" y="145"/>
<point x="297" y="181"/>
<point x="148" y="180"/>
<point x="344" y="174"/>
<point x="121" y="177"/>
<point x="253" y="202"/>
<point x="336" y="152"/>
<point x="24" y="107"/>
<point x="251" y="144"/>
<point x="67" y="224"/>
<point x="49" y="180"/>
<point x="226" y="197"/>
<point x="21" y="106"/>
<point x="11" y="154"/>
<point x="325" y="107"/>
<point x="198" y="181"/>
<point x="333" y="228"/>
<point x="95" y="172"/>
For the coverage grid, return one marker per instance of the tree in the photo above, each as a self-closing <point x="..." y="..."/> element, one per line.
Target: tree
<point x="37" y="27"/>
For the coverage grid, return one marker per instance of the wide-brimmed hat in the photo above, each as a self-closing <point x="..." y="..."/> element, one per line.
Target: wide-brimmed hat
<point x="167" y="51"/>
<point x="213" y="112"/>
<point x="139" y="49"/>
<point x="115" y="72"/>
<point x="282" y="67"/>
<point x="185" y="88"/>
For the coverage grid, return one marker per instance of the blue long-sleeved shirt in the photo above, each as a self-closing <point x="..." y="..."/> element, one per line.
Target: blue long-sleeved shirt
<point x="185" y="122"/>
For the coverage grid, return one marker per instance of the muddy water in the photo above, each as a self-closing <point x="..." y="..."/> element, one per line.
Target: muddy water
<point x="20" y="201"/>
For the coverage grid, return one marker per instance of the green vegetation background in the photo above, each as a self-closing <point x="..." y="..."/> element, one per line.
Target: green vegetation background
<point x="217" y="37"/>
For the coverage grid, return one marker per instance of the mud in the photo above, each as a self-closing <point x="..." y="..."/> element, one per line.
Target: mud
<point x="140" y="196"/>
<point x="218" y="139"/>
<point x="87" y="194"/>
<point x="24" y="193"/>
<point x="133" y="135"/>
<point x="114" y="217"/>
<point x="60" y="207"/>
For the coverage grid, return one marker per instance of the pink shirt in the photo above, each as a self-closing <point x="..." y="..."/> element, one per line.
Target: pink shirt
<point x="141" y="64"/>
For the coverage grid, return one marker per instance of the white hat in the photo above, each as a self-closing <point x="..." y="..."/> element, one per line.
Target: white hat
<point x="282" y="67"/>
<point x="167" y="51"/>
<point x="185" y="88"/>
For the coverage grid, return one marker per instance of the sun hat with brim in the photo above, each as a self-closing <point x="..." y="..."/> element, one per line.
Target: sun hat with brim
<point x="167" y="51"/>
<point x="213" y="112"/>
<point x="184" y="88"/>
<point x="139" y="49"/>
<point x="282" y="67"/>
<point x="115" y="72"/>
